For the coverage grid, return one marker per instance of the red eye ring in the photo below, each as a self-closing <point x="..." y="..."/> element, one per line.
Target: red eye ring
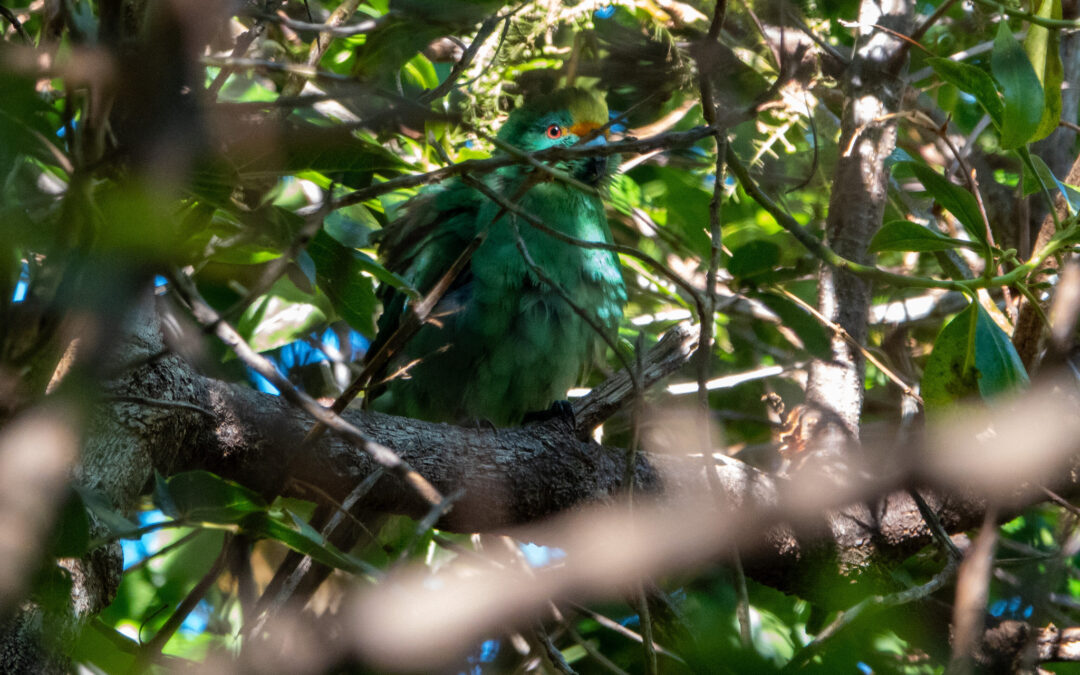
<point x="554" y="131"/>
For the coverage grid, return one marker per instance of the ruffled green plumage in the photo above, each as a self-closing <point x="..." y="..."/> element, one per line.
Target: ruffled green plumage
<point x="504" y="343"/>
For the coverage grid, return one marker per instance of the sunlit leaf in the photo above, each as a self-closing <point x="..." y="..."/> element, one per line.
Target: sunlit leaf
<point x="974" y="81"/>
<point x="904" y="235"/>
<point x="1047" y="178"/>
<point x="971" y="355"/>
<point x="953" y="198"/>
<point x="302" y="538"/>
<point x="200" y="496"/>
<point x="1043" y="50"/>
<point x="282" y="315"/>
<point x="1020" y="89"/>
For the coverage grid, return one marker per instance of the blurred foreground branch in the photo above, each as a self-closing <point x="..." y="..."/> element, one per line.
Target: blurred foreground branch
<point x="789" y="532"/>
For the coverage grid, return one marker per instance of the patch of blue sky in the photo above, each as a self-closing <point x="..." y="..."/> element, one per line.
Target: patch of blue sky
<point x="136" y="551"/>
<point x="198" y="619"/>
<point x="710" y="180"/>
<point x="541" y="556"/>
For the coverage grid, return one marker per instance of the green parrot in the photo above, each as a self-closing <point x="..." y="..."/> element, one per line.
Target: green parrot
<point x="501" y="344"/>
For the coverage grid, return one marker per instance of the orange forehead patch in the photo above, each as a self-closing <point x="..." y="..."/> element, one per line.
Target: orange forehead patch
<point x="583" y="129"/>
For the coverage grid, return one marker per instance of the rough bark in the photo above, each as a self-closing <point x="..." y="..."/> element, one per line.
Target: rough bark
<point x="856" y="206"/>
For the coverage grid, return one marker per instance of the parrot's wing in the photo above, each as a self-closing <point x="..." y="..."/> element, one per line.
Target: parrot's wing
<point x="421" y="246"/>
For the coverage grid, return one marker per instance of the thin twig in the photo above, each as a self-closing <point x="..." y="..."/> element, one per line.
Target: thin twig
<point x="937" y="530"/>
<point x="381" y="454"/>
<point x="666" y="141"/>
<point x="142" y="562"/>
<point x="647" y="643"/>
<point x="344" y="509"/>
<point x="551" y="653"/>
<point x="703" y="356"/>
<point x="243" y="42"/>
<point x="1061" y="501"/>
<point x="444" y="87"/>
<point x="294" y="84"/>
<point x="428" y="522"/>
<point x="868" y="606"/>
<point x="617" y="627"/>
<point x="921" y="29"/>
<point x="16" y="24"/>
<point x="592" y="651"/>
<point x="153" y="647"/>
<point x="839" y="330"/>
<point x="333" y="28"/>
<point x="577" y="308"/>
<point x="533" y="221"/>
<point x="313" y="222"/>
<point x="295" y="566"/>
<point x="972" y="591"/>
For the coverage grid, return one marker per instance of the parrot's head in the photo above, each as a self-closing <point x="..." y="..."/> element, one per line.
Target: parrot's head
<point x="561" y="119"/>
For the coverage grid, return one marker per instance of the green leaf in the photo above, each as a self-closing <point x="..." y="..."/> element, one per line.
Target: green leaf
<point x="104" y="512"/>
<point x="1047" y="177"/>
<point x="971" y="355"/>
<point x="904" y="235"/>
<point x="283" y="314"/>
<point x="340" y="274"/>
<point x="974" y="81"/>
<point x="1042" y="47"/>
<point x="754" y="258"/>
<point x="1020" y="88"/>
<point x="814" y="336"/>
<point x="302" y="538"/>
<point x="421" y="72"/>
<point x="200" y="496"/>
<point x="955" y="199"/>
<point x="335" y="152"/>
<point x="351" y="226"/>
<point x="687" y="205"/>
<point x="353" y="234"/>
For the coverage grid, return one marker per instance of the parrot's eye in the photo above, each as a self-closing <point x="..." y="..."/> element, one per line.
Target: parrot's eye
<point x="554" y="131"/>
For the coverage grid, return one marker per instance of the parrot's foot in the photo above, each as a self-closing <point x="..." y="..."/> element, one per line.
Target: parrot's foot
<point x="559" y="410"/>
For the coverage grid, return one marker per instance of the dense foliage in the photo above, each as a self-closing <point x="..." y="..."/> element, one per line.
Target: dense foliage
<point x="232" y="154"/>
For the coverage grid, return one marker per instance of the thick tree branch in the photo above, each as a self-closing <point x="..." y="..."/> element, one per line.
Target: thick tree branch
<point x="509" y="476"/>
